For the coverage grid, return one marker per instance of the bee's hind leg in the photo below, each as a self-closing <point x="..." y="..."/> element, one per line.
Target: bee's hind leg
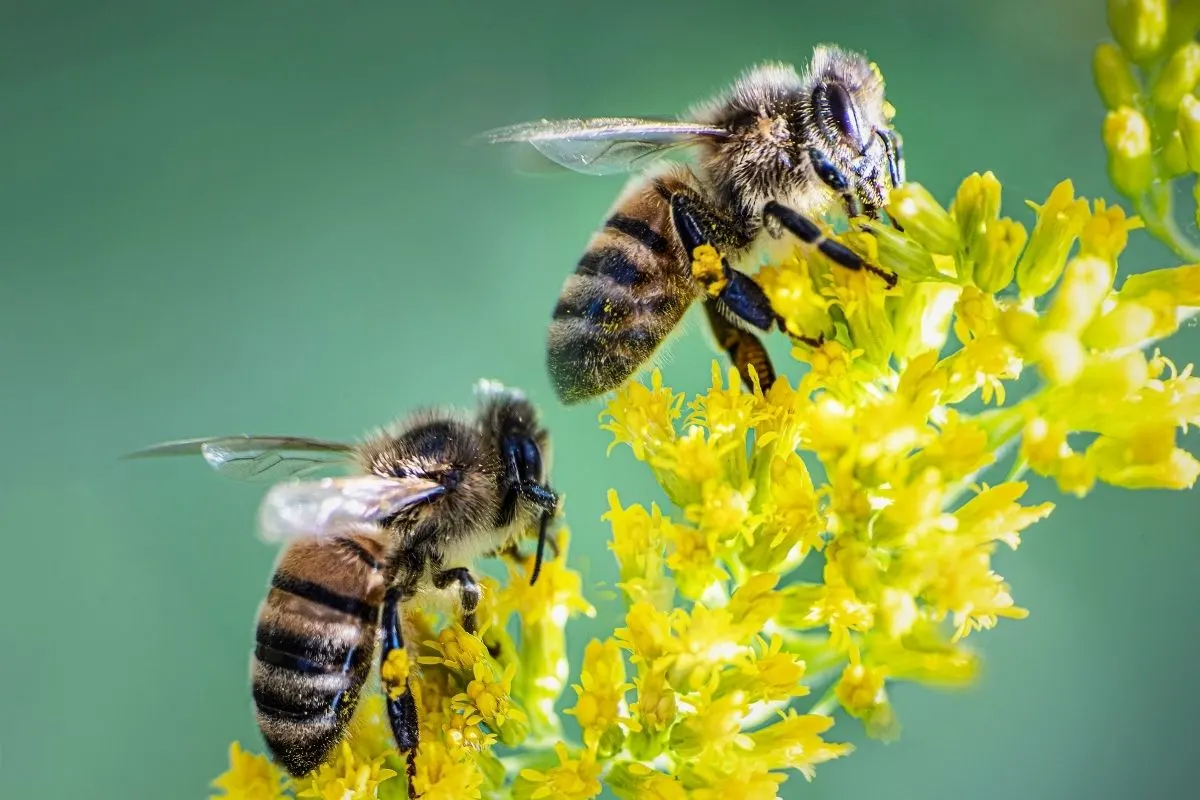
<point x="808" y="231"/>
<point x="736" y="292"/>
<point x="469" y="592"/>
<point x="743" y="348"/>
<point x="401" y="706"/>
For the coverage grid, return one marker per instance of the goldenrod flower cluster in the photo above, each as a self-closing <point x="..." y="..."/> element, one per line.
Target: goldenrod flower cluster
<point x="1148" y="79"/>
<point x="833" y="535"/>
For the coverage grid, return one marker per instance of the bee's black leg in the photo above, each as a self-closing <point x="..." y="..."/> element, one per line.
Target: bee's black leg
<point x="402" y="709"/>
<point x="808" y="231"/>
<point x="742" y="346"/>
<point x="737" y="292"/>
<point x="469" y="592"/>
<point x="835" y="179"/>
<point x="895" y="161"/>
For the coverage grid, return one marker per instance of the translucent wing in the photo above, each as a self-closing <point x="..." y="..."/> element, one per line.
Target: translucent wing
<point x="606" y="145"/>
<point x="257" y="458"/>
<point x="324" y="507"/>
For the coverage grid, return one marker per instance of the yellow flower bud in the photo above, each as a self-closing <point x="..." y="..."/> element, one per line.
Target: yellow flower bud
<point x="1124" y="325"/>
<point x="976" y="205"/>
<point x="1174" y="156"/>
<point x="1188" y="122"/>
<point x="1179" y="77"/>
<point x="1140" y="26"/>
<point x="1114" y="77"/>
<point x="996" y="262"/>
<point x="1114" y="377"/>
<point x="1059" y="223"/>
<point x="1075" y="475"/>
<point x="1106" y="232"/>
<point x="1060" y="356"/>
<point x="921" y="319"/>
<point x="1147" y="459"/>
<point x="1184" y="22"/>
<point x="1182" y="283"/>
<point x="1085" y="284"/>
<point x="903" y="255"/>
<point x="1127" y="139"/>
<point x="923" y="219"/>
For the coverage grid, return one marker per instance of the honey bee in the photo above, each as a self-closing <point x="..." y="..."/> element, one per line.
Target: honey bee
<point x="430" y="496"/>
<point x="776" y="149"/>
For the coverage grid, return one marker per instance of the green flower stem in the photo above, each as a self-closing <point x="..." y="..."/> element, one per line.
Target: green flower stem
<point x="1156" y="210"/>
<point x="827" y="703"/>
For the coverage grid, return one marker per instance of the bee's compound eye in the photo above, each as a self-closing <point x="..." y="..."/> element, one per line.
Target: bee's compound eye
<point x="525" y="456"/>
<point x="834" y="100"/>
<point x="533" y="460"/>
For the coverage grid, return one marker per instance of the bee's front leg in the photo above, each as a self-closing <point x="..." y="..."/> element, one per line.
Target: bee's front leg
<point x="810" y="233"/>
<point x="469" y="592"/>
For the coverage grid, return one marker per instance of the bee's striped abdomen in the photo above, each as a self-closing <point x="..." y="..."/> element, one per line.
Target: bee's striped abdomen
<point x="629" y="290"/>
<point x="313" y="645"/>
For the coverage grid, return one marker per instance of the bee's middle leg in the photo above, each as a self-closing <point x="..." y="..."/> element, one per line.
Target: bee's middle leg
<point x="402" y="707"/>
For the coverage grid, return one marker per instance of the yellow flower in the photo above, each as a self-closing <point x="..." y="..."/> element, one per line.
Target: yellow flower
<point x="601" y="691"/>
<point x="443" y="773"/>
<point x="723" y="510"/>
<point x="456" y="649"/>
<point x="724" y="411"/>
<point x="647" y="635"/>
<point x="636" y="781"/>
<point x="695" y="557"/>
<point x="249" y="777"/>
<point x="639" y="541"/>
<point x="346" y="777"/>
<point x="766" y="673"/>
<point x="861" y="691"/>
<point x="656" y="706"/>
<point x="794" y="742"/>
<point x="795" y="297"/>
<point x="572" y="779"/>
<point x="463" y="731"/>
<point x="488" y="696"/>
<point x="924" y="219"/>
<point x="643" y="418"/>
<point x="1059" y="222"/>
<point x="714" y="729"/>
<point x="1147" y="459"/>
<point x="742" y="785"/>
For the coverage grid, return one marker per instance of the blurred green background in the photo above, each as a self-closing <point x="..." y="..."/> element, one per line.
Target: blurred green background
<point x="263" y="216"/>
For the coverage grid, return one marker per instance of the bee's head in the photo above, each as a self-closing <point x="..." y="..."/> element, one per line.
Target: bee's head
<point x="852" y="122"/>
